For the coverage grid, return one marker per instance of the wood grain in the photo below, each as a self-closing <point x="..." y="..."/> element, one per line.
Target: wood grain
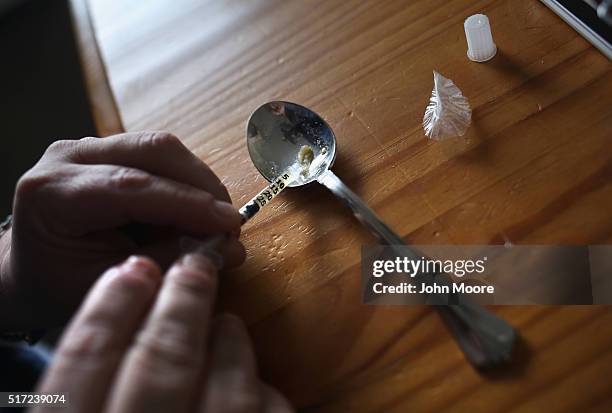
<point x="103" y="106"/>
<point x="534" y="168"/>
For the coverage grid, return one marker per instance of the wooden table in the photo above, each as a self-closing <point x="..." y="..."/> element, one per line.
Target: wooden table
<point x="534" y="168"/>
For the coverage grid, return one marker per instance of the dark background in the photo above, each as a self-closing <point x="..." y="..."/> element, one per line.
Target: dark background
<point x="42" y="91"/>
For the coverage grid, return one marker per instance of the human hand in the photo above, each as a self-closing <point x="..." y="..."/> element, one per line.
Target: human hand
<point x="133" y="349"/>
<point x="88" y="204"/>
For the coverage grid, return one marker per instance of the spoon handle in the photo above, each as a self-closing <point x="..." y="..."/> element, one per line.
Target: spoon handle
<point x="485" y="339"/>
<point x="361" y="210"/>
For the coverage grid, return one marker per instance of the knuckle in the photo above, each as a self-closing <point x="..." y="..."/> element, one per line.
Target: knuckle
<point x="127" y="178"/>
<point x="160" y="140"/>
<point x="81" y="148"/>
<point x="61" y="146"/>
<point x="31" y="183"/>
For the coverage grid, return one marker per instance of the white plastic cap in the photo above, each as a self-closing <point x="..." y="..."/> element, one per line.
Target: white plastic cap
<point x="480" y="42"/>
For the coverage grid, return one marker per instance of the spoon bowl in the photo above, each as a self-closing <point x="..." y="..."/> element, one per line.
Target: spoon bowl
<point x="276" y="132"/>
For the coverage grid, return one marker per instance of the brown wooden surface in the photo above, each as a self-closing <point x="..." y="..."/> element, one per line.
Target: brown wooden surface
<point x="101" y="98"/>
<point x="535" y="167"/>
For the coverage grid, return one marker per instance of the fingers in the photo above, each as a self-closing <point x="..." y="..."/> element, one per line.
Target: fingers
<point x="92" y="347"/>
<point x="114" y="196"/>
<point x="232" y="385"/>
<point x="226" y="250"/>
<point x="165" y="365"/>
<point x="158" y="153"/>
<point x="232" y="370"/>
<point x="233" y="253"/>
<point x="163" y="369"/>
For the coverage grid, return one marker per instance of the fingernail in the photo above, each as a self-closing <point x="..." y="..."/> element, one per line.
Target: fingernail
<point x="198" y="262"/>
<point x="207" y="249"/>
<point x="226" y="210"/>
<point x="137" y="263"/>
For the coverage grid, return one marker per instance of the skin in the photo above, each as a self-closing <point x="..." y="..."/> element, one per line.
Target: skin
<point x="89" y="204"/>
<point x="140" y="341"/>
<point x="137" y="347"/>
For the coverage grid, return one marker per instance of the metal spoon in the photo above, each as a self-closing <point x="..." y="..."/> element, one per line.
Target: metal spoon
<point x="276" y="133"/>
